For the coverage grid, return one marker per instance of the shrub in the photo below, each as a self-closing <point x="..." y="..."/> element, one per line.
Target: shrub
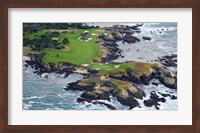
<point x="65" y="41"/>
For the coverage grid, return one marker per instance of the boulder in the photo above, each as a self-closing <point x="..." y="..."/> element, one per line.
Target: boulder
<point x="130" y="39"/>
<point x="156" y="98"/>
<point x="150" y="103"/>
<point x="136" y="92"/>
<point x="106" y="88"/>
<point x="89" y="95"/>
<point x="144" y="79"/>
<point x="117" y="35"/>
<point x="168" y="78"/>
<point x="125" y="98"/>
<point x="79" y="86"/>
<point x="168" y="81"/>
<point x="95" y="95"/>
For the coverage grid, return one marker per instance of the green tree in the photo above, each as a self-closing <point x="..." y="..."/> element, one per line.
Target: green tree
<point x="65" y="41"/>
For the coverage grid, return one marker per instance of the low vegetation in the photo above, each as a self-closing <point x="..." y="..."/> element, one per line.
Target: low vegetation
<point x="137" y="67"/>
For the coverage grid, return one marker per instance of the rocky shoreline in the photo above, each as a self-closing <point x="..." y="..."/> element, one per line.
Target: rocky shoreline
<point x="96" y="88"/>
<point x="128" y="95"/>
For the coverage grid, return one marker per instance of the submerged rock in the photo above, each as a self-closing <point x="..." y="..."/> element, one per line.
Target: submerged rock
<point x="150" y="103"/>
<point x="146" y="38"/>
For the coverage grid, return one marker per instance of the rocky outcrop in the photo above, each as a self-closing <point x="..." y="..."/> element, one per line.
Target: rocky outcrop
<point x="79" y="86"/>
<point x="95" y="95"/>
<point x="41" y="68"/>
<point x="169" y="60"/>
<point x="136" y="92"/>
<point x="154" y="100"/>
<point x="130" y="39"/>
<point x="127" y="96"/>
<point x="168" y="81"/>
<point x="113" y="51"/>
<point x="168" y="78"/>
<point x="117" y="35"/>
<point x="126" y="99"/>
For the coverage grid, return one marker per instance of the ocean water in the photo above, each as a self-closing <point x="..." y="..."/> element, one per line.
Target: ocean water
<point x="40" y="93"/>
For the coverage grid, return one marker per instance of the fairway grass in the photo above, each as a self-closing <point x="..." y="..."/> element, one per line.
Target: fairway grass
<point x="137" y="67"/>
<point x="79" y="52"/>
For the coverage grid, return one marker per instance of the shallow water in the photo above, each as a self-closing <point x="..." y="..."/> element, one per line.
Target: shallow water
<point x="40" y="93"/>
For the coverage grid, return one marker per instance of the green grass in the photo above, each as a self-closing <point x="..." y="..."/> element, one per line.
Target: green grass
<point x="117" y="84"/>
<point x="137" y="67"/>
<point x="80" y="52"/>
<point x="120" y="84"/>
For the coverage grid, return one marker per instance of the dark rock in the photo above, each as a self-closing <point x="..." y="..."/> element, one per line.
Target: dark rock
<point x="144" y="79"/>
<point x="146" y="38"/>
<point x="124" y="98"/>
<point x="82" y="100"/>
<point x="130" y="39"/>
<point x="173" y="97"/>
<point x="25" y="65"/>
<point x="157" y="107"/>
<point x="136" y="92"/>
<point x="89" y="95"/>
<point x="92" y="71"/>
<point x="95" y="95"/>
<point x="154" y="96"/>
<point x="106" y="88"/>
<point x="168" y="82"/>
<point x="168" y="78"/>
<point x="164" y="95"/>
<point x="170" y="63"/>
<point x="117" y="35"/>
<point x="78" y="86"/>
<point x="149" y="102"/>
<point x="169" y="60"/>
<point x="107" y="38"/>
<point x="162" y="100"/>
<point x="154" y="83"/>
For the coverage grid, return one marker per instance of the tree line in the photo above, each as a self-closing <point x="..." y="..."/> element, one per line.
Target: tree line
<point x="47" y="40"/>
<point x="34" y="27"/>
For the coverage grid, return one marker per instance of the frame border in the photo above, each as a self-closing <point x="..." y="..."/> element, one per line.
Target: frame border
<point x="6" y="4"/>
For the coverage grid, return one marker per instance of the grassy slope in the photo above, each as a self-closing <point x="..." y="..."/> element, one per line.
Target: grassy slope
<point x="137" y="67"/>
<point x="80" y="52"/>
<point x="117" y="84"/>
<point x="84" y="52"/>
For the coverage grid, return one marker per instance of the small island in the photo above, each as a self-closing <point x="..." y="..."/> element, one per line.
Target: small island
<point x="92" y="51"/>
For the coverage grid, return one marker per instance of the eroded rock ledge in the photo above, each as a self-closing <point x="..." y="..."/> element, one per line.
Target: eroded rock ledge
<point x="123" y="87"/>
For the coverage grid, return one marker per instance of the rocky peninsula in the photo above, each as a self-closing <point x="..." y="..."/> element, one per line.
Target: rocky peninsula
<point x="104" y="78"/>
